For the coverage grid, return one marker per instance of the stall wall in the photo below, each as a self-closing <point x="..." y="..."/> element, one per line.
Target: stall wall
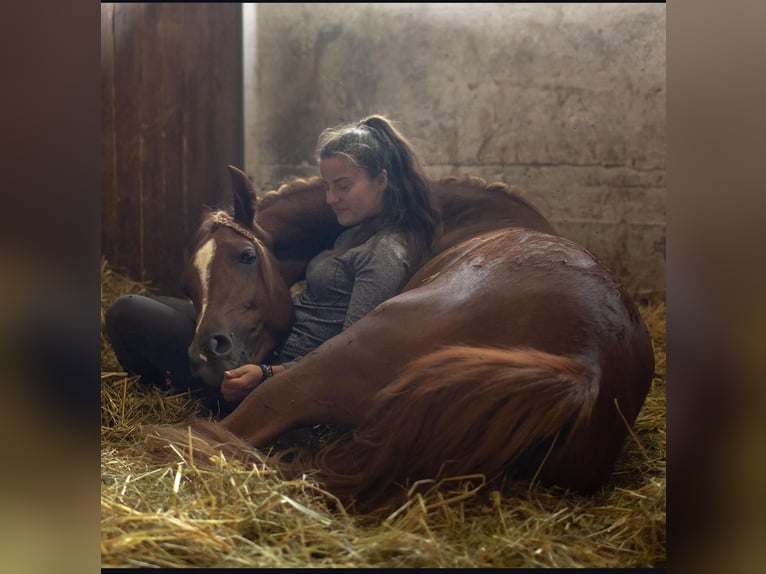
<point x="566" y="100"/>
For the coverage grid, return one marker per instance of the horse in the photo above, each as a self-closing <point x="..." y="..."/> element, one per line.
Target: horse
<point x="511" y="352"/>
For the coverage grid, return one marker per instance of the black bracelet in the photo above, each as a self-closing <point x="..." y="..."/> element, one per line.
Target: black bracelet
<point x="267" y="370"/>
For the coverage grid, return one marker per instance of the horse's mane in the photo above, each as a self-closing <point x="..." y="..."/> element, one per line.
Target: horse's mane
<point x="295" y="189"/>
<point x="290" y="190"/>
<point x="475" y="183"/>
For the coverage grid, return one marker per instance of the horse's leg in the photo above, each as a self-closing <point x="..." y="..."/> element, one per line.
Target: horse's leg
<point x="335" y="384"/>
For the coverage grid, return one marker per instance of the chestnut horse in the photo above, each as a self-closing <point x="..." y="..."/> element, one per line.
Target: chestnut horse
<point x="512" y="351"/>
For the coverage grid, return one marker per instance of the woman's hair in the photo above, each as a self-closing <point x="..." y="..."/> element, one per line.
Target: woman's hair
<point x="374" y="145"/>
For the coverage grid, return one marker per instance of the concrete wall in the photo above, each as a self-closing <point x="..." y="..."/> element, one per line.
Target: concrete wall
<point x="566" y="100"/>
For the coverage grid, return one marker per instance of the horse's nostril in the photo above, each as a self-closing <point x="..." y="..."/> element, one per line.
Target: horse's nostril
<point x="219" y="346"/>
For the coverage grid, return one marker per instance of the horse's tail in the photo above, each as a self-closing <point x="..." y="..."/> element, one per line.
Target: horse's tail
<point x="198" y="441"/>
<point x="458" y="411"/>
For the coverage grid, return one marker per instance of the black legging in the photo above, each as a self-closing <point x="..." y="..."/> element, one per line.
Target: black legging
<point x="151" y="335"/>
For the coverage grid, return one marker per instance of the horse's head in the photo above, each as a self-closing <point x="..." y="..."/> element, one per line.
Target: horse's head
<point x="243" y="303"/>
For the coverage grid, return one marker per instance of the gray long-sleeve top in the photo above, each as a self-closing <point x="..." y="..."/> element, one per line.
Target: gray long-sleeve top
<point x="343" y="285"/>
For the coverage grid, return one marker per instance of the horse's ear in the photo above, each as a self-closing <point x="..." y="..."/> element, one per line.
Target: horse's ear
<point x="245" y="199"/>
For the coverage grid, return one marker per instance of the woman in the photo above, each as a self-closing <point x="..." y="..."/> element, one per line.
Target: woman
<point x="377" y="190"/>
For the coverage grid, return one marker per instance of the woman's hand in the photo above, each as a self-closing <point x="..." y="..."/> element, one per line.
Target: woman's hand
<point x="239" y="382"/>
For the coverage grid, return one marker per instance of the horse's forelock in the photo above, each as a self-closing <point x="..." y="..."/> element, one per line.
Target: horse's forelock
<point x="205" y="230"/>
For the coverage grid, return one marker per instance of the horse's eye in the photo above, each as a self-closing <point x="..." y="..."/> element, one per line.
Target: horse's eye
<point x="247" y="257"/>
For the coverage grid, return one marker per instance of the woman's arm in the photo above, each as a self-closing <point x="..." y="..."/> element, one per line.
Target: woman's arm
<point x="378" y="276"/>
<point x="239" y="382"/>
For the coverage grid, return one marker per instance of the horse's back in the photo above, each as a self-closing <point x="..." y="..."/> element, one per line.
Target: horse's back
<point x="513" y="286"/>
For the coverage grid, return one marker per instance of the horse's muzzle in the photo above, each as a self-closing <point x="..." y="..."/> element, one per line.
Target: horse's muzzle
<point x="217" y="347"/>
<point x="215" y="354"/>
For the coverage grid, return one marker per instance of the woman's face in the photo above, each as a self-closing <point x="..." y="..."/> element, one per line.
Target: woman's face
<point x="351" y="194"/>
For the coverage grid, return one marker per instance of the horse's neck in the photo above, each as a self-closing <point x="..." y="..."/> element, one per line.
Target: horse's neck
<point x="469" y="208"/>
<point x="299" y="224"/>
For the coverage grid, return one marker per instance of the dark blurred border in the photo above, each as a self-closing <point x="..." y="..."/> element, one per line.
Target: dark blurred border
<point x="49" y="292"/>
<point x="716" y="269"/>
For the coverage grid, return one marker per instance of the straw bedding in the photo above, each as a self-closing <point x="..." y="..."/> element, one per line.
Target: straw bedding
<point x="199" y="512"/>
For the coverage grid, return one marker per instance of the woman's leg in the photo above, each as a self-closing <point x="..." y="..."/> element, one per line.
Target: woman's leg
<point x="150" y="337"/>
